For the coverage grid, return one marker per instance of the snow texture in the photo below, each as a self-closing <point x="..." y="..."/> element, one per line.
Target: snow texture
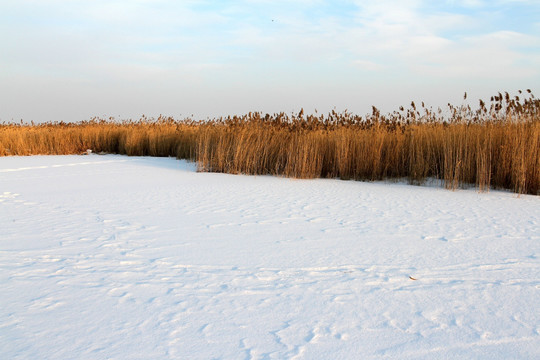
<point x="114" y="257"/>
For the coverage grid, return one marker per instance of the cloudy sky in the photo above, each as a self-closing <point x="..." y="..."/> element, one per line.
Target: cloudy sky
<point x="74" y="59"/>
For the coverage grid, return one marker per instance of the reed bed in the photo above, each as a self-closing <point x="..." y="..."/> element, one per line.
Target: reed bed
<point x="496" y="145"/>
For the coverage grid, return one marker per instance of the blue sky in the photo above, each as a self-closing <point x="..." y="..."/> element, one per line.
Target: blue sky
<point x="71" y="60"/>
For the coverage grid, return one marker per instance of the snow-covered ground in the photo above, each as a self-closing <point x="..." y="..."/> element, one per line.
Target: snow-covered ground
<point x="113" y="257"/>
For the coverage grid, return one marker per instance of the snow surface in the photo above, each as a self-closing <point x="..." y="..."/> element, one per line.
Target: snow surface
<point x="114" y="257"/>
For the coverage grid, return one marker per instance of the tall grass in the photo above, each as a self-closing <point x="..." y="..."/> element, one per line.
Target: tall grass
<point x="161" y="137"/>
<point x="495" y="146"/>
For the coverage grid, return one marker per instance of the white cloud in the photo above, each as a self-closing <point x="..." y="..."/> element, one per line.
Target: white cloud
<point x="468" y="3"/>
<point x="369" y="65"/>
<point x="314" y="52"/>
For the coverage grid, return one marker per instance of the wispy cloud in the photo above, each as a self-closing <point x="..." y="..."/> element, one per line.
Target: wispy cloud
<point x="249" y="54"/>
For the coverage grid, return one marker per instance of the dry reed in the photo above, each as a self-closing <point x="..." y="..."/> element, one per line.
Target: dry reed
<point x="490" y="147"/>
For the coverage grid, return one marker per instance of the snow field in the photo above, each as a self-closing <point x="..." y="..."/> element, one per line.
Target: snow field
<point x="136" y="258"/>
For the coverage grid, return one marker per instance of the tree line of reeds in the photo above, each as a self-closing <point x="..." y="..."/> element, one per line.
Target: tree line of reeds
<point x="496" y="145"/>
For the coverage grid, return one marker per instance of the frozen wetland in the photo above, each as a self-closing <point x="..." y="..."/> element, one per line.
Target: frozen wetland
<point x="114" y="257"/>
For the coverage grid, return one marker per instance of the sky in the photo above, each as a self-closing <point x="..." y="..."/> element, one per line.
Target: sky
<point x="73" y="60"/>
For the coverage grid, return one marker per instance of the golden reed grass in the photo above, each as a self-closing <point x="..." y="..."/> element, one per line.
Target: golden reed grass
<point x="491" y="147"/>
